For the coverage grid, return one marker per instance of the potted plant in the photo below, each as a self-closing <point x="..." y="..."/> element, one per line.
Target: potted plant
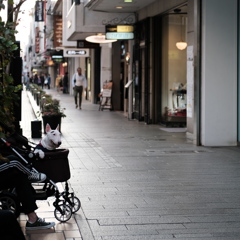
<point x="45" y="99"/>
<point x="52" y="113"/>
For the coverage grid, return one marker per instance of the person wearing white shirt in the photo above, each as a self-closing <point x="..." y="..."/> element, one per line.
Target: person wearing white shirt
<point x="79" y="83"/>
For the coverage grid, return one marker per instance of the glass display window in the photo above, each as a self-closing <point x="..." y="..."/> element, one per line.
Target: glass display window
<point x="174" y="70"/>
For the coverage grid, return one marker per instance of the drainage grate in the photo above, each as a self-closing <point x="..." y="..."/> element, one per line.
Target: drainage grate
<point x="154" y="139"/>
<point x="164" y="152"/>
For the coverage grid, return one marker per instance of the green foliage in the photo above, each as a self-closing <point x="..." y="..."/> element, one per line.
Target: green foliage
<point x="8" y="92"/>
<point x="48" y="105"/>
<point x="53" y="108"/>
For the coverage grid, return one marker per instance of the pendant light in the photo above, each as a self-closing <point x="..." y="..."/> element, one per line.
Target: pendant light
<point x="99" y="38"/>
<point x="181" y="45"/>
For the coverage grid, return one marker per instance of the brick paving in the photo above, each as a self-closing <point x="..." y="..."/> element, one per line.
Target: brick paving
<point x="138" y="181"/>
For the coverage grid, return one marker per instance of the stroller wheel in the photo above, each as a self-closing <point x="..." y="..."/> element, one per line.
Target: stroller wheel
<point x="63" y="213"/>
<point x="75" y="204"/>
<point x="9" y="201"/>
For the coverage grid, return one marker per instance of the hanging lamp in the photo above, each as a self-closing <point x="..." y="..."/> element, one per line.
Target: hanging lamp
<point x="181" y="45"/>
<point x="99" y="38"/>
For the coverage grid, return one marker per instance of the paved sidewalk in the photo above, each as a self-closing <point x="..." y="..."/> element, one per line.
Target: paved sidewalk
<point x="138" y="181"/>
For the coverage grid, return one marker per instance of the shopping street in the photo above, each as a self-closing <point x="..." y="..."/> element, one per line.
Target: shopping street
<point x="138" y="181"/>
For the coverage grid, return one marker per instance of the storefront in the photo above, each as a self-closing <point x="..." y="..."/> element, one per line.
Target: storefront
<point x="171" y="67"/>
<point x="120" y="67"/>
<point x="160" y="69"/>
<point x="142" y="90"/>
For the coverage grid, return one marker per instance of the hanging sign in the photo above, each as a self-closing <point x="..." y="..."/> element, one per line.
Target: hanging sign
<point x="57" y="58"/>
<point x="120" y="28"/>
<point x="70" y="52"/>
<point x="39" y="11"/>
<point x="122" y="36"/>
<point x="37" y="40"/>
<point x="123" y="32"/>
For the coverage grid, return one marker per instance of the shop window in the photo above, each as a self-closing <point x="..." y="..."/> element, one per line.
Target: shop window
<point x="174" y="71"/>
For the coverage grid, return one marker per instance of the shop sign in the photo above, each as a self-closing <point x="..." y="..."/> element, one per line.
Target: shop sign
<point x="69" y="52"/>
<point x="121" y="35"/>
<point x="37" y="40"/>
<point x="120" y="28"/>
<point x="123" y="32"/>
<point x="57" y="58"/>
<point x="39" y="11"/>
<point x="57" y="36"/>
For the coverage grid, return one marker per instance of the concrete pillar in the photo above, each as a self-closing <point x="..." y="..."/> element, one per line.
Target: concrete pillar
<point x="219" y="73"/>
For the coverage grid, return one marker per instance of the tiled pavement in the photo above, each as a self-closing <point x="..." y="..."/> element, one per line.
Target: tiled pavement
<point x="61" y="231"/>
<point x="138" y="181"/>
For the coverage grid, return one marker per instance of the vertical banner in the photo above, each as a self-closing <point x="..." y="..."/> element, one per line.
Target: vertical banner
<point x="37" y="40"/>
<point x="39" y="11"/>
<point x="57" y="37"/>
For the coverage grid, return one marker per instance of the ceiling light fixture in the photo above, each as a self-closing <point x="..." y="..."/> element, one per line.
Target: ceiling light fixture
<point x="99" y="38"/>
<point x="181" y="45"/>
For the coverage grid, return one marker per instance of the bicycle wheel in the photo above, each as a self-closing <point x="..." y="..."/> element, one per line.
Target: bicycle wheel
<point x="65" y="214"/>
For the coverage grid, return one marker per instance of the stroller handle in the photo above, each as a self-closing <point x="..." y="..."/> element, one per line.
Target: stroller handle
<point x="18" y="154"/>
<point x="31" y="154"/>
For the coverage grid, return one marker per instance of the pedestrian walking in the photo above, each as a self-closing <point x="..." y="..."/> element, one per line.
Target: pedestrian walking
<point x="42" y="78"/>
<point x="57" y="82"/>
<point x="48" y="77"/>
<point x="46" y="81"/>
<point x="28" y="81"/>
<point x="65" y="83"/>
<point x="79" y="82"/>
<point x="37" y="80"/>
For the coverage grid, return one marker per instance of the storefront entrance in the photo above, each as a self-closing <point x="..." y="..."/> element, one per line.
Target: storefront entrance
<point x="171" y="68"/>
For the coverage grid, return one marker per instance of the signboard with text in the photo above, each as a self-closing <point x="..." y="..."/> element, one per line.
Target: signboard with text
<point x="70" y="52"/>
<point x="57" y="58"/>
<point x="119" y="32"/>
<point x="39" y="11"/>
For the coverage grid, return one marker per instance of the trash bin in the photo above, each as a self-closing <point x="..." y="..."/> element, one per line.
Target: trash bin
<point x="36" y="128"/>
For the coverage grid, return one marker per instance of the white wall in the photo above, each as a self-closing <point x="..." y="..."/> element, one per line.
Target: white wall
<point x="82" y="22"/>
<point x="219" y="73"/>
<point x="65" y="10"/>
<point x="106" y="64"/>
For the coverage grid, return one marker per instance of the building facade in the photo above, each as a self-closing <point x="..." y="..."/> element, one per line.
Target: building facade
<point x="153" y="80"/>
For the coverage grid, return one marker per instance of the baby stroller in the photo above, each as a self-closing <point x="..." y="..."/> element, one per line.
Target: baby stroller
<point x="56" y="167"/>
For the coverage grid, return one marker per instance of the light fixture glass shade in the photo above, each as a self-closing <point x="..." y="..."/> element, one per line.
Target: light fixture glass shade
<point x="50" y="62"/>
<point x="99" y="38"/>
<point x="127" y="57"/>
<point x="181" y="45"/>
